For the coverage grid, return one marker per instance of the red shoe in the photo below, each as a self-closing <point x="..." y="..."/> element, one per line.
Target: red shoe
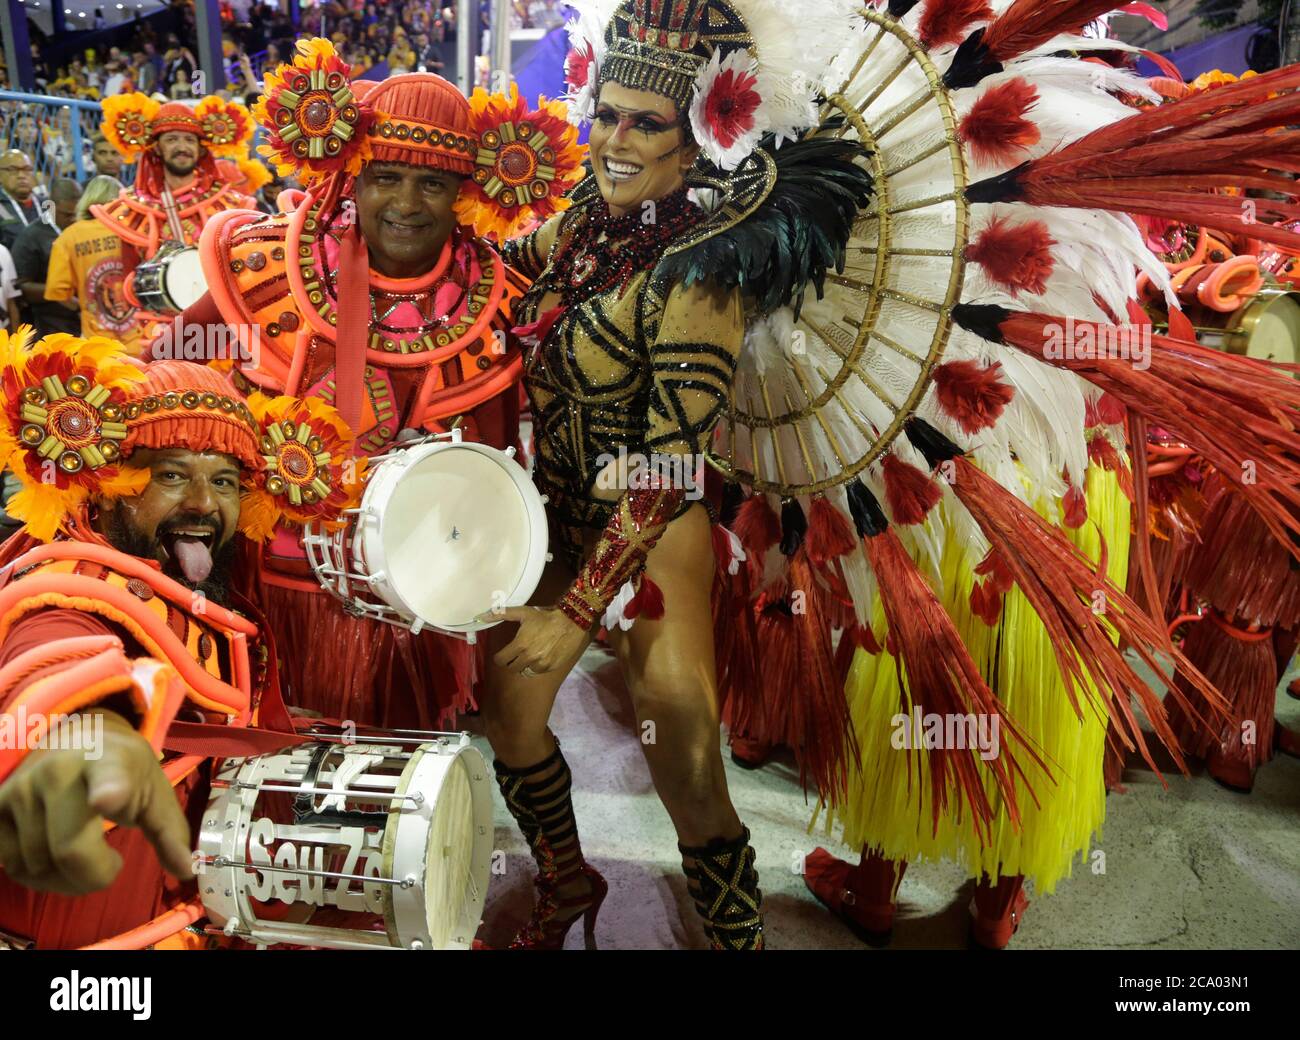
<point x="990" y="929"/>
<point x="749" y="753"/>
<point x="1231" y="773"/>
<point x="1287" y="740"/>
<point x="832" y="881"/>
<point x="553" y="915"/>
<point x="1293" y="688"/>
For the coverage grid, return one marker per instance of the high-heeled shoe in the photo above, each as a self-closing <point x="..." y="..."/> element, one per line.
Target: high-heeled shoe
<point x="539" y="798"/>
<point x="724" y="884"/>
<point x="553" y="914"/>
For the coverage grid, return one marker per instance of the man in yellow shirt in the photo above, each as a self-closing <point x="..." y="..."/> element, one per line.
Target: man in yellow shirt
<point x="86" y="263"/>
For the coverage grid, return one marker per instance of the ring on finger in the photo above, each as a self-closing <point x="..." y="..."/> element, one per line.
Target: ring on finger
<point x="528" y="673"/>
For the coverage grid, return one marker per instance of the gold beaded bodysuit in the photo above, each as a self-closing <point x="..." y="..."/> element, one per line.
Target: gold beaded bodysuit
<point x="642" y="365"/>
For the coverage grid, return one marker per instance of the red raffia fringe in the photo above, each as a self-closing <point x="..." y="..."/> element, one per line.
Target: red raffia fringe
<point x="1153" y="162"/>
<point x="1247" y="669"/>
<point x="1231" y="410"/>
<point x="1063" y="586"/>
<point x="804" y="703"/>
<point x="939" y="676"/>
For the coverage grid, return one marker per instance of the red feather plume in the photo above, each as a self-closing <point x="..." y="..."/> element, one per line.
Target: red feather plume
<point x="1016" y="256"/>
<point x="974" y="396"/>
<point x="829" y="534"/>
<point x="945" y="23"/>
<point x="1027" y="23"/>
<point x="997" y="127"/>
<point x="909" y="492"/>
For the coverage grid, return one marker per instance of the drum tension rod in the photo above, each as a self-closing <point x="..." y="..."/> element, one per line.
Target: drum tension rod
<point x="222" y="861"/>
<point x="358" y="796"/>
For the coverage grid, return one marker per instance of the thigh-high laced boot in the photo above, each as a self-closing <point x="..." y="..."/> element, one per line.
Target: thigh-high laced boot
<point x="724" y="884"/>
<point x="997" y="910"/>
<point x="538" y="797"/>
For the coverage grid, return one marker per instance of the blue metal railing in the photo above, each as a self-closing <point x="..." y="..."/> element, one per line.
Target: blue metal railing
<point x="47" y="112"/>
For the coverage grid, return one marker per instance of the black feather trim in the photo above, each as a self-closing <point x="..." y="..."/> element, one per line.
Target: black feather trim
<point x="971" y="63"/>
<point x="798" y="234"/>
<point x="794" y="526"/>
<point x="1005" y="187"/>
<point x="983" y="319"/>
<point x="868" y="517"/>
<point x="935" y="446"/>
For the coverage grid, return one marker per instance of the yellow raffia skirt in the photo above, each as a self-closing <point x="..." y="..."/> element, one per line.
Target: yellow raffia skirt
<point x="888" y="808"/>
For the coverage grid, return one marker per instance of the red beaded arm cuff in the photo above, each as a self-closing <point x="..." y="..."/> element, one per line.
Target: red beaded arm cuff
<point x="638" y="523"/>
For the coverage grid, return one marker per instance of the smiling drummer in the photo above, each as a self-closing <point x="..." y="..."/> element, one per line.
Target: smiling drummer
<point x="178" y="185"/>
<point x="379" y="290"/>
<point x="118" y="617"/>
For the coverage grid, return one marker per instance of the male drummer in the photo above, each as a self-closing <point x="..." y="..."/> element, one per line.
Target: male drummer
<point x="121" y="624"/>
<point x="178" y="183"/>
<point x="374" y="295"/>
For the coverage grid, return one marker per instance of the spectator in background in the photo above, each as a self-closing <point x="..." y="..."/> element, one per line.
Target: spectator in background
<point x="181" y="88"/>
<point x="86" y="265"/>
<point x="117" y="79"/>
<point x="31" y="257"/>
<point x="107" y="159"/>
<point x="19" y="203"/>
<point x="146" y="76"/>
<point x="9" y="292"/>
<point x="99" y="22"/>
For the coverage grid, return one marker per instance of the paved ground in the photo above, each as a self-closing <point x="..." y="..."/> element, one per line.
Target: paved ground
<point x="1194" y="866"/>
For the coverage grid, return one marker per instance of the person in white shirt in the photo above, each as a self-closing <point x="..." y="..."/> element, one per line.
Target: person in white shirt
<point x="9" y="291"/>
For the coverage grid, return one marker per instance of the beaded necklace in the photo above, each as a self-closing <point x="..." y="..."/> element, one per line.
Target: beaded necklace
<point x="588" y="265"/>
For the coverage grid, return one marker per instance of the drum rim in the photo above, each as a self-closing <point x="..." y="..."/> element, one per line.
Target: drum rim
<point x="534" y="506"/>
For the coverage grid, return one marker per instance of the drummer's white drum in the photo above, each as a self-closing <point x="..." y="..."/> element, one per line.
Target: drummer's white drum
<point x="171" y="281"/>
<point x="447" y="531"/>
<point x="390" y="838"/>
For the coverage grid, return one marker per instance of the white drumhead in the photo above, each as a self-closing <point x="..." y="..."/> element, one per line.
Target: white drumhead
<point x="459" y="535"/>
<point x="183" y="274"/>
<point x="1276" y="335"/>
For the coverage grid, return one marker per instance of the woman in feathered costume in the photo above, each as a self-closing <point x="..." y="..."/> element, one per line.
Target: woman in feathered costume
<point x="634" y="358"/>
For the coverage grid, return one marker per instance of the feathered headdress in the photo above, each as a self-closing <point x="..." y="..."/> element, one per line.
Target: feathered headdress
<point x="308" y="471"/>
<point x="316" y="124"/>
<point x="526" y="162"/>
<point x="62" y="424"/>
<point x="738" y="69"/>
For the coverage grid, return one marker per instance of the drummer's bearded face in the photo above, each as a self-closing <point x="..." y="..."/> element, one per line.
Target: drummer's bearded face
<point x="185" y="519"/>
<point x="179" y="152"/>
<point x="406" y="216"/>
<point x="640" y="150"/>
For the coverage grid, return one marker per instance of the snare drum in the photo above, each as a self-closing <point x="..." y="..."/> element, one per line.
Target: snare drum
<point x="393" y="833"/>
<point x="447" y="530"/>
<point x="171" y="281"/>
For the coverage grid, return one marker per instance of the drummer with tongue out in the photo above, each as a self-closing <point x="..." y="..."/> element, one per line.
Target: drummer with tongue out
<point x="379" y="290"/>
<point x="120" y="628"/>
